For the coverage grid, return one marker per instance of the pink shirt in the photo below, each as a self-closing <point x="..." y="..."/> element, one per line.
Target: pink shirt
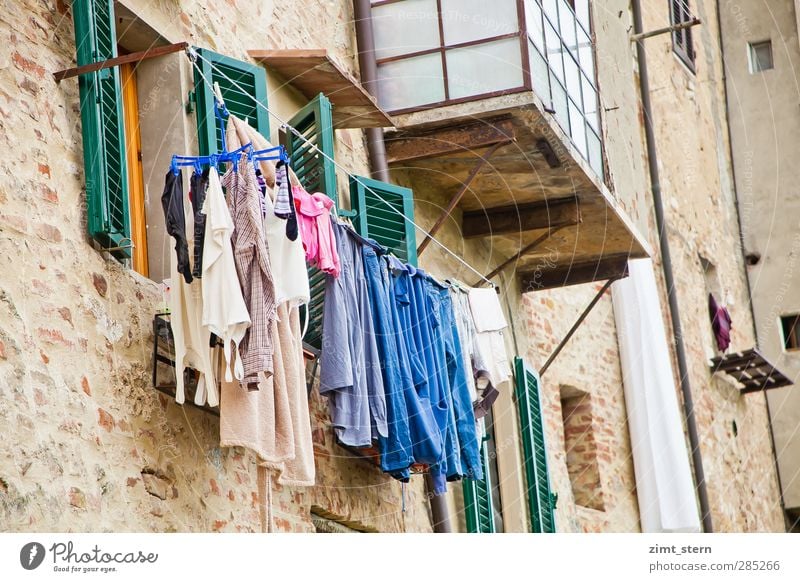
<point x="316" y="231"/>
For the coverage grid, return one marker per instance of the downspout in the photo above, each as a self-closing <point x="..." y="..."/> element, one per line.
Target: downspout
<point x="362" y="11"/>
<point x="746" y="273"/>
<point x="669" y="279"/>
<point x="379" y="167"/>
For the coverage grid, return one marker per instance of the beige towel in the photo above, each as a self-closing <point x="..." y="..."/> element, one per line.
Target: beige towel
<point x="273" y="421"/>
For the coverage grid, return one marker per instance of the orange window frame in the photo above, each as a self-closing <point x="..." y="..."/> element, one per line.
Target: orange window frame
<point x="133" y="153"/>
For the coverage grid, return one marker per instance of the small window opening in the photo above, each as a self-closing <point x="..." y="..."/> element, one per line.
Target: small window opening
<point x="760" y="56"/>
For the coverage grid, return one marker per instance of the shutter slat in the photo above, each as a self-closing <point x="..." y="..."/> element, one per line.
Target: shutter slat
<point x="384" y="212"/>
<point x="534" y="448"/>
<point x="317" y="174"/>
<point x="102" y="126"/>
<point x="244" y="90"/>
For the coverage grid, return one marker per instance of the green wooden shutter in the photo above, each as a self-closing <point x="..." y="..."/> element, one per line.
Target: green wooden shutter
<point x="377" y="220"/>
<point x="315" y="123"/>
<point x="102" y="126"/>
<point x="540" y="498"/>
<point x="243" y="86"/>
<point x="478" y="500"/>
<point x="316" y="173"/>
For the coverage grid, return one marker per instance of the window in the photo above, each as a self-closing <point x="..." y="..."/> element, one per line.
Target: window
<point x="581" y="448"/>
<point x="381" y="210"/>
<point x="540" y="498"/>
<point x="682" y="44"/>
<point x="243" y="87"/>
<point x="102" y="126"/>
<point x="482" y="504"/>
<point x="133" y="120"/>
<point x="760" y="54"/>
<point x="562" y="65"/>
<point x="434" y="51"/>
<point x="133" y="157"/>
<point x="317" y="174"/>
<point x="790" y="326"/>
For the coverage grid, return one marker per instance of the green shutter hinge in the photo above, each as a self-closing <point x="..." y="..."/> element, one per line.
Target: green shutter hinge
<point x="347" y="213"/>
<point x="191" y="101"/>
<point x="554" y="500"/>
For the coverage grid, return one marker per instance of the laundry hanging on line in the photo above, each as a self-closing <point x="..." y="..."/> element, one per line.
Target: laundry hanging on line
<point x="401" y="354"/>
<point x="236" y="302"/>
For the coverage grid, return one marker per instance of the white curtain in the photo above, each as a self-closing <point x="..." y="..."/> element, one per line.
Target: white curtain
<point x="664" y="483"/>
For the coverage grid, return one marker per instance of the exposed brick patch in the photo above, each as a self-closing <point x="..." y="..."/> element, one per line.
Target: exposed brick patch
<point x="48" y="194"/>
<point x="49" y="233"/>
<point x="38" y="397"/>
<point x="39" y="287"/>
<point x="28" y="85"/>
<point x="77" y="498"/>
<point x="132" y="481"/>
<point x="218" y="524"/>
<point x="65" y="314"/>
<point x="27" y="65"/>
<point x="85" y="386"/>
<point x="105" y="419"/>
<point x="100" y="284"/>
<point x="14" y="222"/>
<point x="214" y="487"/>
<point x="53" y="336"/>
<point x="44" y="169"/>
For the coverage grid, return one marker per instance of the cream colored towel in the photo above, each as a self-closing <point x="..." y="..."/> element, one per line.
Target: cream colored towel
<point x="273" y="421"/>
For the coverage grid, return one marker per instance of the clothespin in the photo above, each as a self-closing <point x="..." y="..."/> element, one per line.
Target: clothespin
<point x="219" y="99"/>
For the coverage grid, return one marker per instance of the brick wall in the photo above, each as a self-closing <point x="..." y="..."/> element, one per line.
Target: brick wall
<point x="90" y="444"/>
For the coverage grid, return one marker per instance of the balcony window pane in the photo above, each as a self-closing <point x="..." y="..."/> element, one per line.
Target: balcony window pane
<point x="566" y="23"/>
<point x="554" y="51"/>
<point x="582" y="12"/>
<point x="586" y="54"/>
<point x="405" y="27"/>
<point x="577" y="128"/>
<point x="595" y="151"/>
<point x="540" y="75"/>
<point x="484" y="68"/>
<point x="533" y="20"/>
<point x="560" y="104"/>
<point x="411" y="82"/>
<point x="551" y="10"/>
<point x="590" y="104"/>
<point x="573" y="78"/>
<point x="468" y="20"/>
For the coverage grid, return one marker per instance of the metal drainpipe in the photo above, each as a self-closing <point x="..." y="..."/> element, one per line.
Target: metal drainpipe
<point x="669" y="279"/>
<point x="786" y="521"/>
<point x="362" y="11"/>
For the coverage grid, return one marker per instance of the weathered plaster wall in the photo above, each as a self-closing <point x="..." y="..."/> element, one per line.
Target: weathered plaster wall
<point x="89" y="444"/>
<point x="765" y="131"/>
<point x="692" y="142"/>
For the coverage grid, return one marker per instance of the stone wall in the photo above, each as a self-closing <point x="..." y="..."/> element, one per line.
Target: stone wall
<point x="764" y="132"/>
<point x="90" y="444"/>
<point x="699" y="199"/>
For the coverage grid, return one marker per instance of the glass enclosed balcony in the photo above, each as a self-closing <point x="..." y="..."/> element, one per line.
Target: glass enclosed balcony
<point x="434" y="53"/>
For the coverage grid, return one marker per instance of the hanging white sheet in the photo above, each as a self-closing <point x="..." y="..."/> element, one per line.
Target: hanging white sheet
<point x="664" y="483"/>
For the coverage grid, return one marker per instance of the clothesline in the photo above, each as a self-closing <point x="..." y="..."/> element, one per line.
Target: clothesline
<point x="193" y="55"/>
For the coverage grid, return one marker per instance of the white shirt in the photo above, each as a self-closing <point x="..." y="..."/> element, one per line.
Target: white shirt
<point x="224" y="310"/>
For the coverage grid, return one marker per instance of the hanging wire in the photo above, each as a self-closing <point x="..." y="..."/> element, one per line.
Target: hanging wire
<point x="193" y="56"/>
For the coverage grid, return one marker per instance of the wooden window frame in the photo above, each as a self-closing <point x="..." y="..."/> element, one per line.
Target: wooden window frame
<point x="682" y="41"/>
<point x="359" y="187"/>
<point x="133" y="152"/>
<point x="541" y="501"/>
<point x="791" y="338"/>
<point x="102" y="128"/>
